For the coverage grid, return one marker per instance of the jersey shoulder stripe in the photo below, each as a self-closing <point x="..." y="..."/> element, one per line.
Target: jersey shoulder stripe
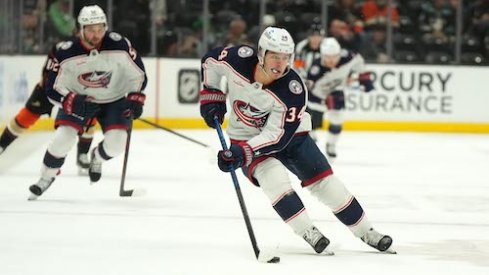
<point x="68" y="49"/>
<point x="115" y="41"/>
<point x="241" y="59"/>
<point x="346" y="56"/>
<point x="112" y="41"/>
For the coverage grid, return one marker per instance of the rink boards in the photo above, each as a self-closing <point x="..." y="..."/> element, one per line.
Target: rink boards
<point x="407" y="97"/>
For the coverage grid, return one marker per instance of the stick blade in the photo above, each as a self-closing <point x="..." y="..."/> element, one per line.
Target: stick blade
<point x="126" y="193"/>
<point x="137" y="192"/>
<point x="266" y="256"/>
<point x="274" y="260"/>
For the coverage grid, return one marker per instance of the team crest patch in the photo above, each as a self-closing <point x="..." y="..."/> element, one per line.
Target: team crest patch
<point x="64" y="45"/>
<point x="249" y="115"/>
<point x="115" y="36"/>
<point x="97" y="79"/>
<point x="295" y="87"/>
<point x="245" y="51"/>
<point x="315" y="70"/>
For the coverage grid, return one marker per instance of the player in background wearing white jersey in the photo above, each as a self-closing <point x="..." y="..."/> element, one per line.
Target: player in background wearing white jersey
<point x="327" y="79"/>
<point x="268" y="127"/>
<point x="96" y="75"/>
<point x="38" y="105"/>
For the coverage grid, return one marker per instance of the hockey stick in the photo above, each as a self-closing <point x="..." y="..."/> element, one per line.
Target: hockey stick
<point x="173" y="132"/>
<point x="261" y="258"/>
<point x="122" y="191"/>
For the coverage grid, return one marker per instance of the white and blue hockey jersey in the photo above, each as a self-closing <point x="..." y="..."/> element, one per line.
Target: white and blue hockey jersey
<point x="267" y="117"/>
<point x="326" y="80"/>
<point x="104" y="74"/>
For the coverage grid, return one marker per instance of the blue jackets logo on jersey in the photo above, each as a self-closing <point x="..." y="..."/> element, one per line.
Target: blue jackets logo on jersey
<point x="250" y="115"/>
<point x="95" y="79"/>
<point x="245" y="51"/>
<point x="295" y="87"/>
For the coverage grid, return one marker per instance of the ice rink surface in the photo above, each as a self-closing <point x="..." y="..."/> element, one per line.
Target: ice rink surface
<point x="430" y="192"/>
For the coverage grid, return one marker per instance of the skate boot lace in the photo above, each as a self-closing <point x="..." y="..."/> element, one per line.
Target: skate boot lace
<point x="44" y="183"/>
<point x="83" y="161"/>
<point x="330" y="149"/>
<point x="372" y="237"/>
<point x="312" y="235"/>
<point x="96" y="167"/>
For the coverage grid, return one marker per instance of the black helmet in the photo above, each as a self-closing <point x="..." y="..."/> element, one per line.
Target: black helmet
<point x="316" y="29"/>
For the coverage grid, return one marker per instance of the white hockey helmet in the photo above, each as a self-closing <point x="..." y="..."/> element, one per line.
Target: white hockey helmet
<point x="276" y="40"/>
<point x="90" y="15"/>
<point x="330" y="46"/>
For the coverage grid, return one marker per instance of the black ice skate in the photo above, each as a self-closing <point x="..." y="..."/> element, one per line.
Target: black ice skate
<point x="316" y="239"/>
<point x="378" y="241"/>
<point x="331" y="150"/>
<point x="95" y="168"/>
<point x="1" y="150"/>
<point x="82" y="163"/>
<point x="39" y="188"/>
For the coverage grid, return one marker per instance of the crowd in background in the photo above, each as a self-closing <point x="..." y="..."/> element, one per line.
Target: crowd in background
<point x="421" y="31"/>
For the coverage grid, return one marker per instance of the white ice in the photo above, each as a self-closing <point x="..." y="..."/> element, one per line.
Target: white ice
<point x="430" y="192"/>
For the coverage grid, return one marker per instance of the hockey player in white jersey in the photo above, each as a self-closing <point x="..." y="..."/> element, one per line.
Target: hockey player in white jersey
<point x="38" y="105"/>
<point x="327" y="79"/>
<point x="268" y="127"/>
<point x="95" y="75"/>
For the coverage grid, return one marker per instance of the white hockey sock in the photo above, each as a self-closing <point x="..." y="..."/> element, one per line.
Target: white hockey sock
<point x="48" y="173"/>
<point x="332" y="138"/>
<point x="113" y="144"/>
<point x="333" y="193"/>
<point x="274" y="181"/>
<point x="360" y="228"/>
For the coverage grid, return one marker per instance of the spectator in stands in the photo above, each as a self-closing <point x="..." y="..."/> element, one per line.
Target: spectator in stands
<point x="31" y="17"/>
<point x="479" y="25"/>
<point x="132" y="19"/>
<point x="191" y="44"/>
<point x="168" y="44"/>
<point x="268" y="20"/>
<point x="236" y="34"/>
<point x="345" y="36"/>
<point x="376" y="12"/>
<point x="61" y="21"/>
<point x="348" y="12"/>
<point x="161" y="14"/>
<point x="375" y="50"/>
<point x="437" y="19"/>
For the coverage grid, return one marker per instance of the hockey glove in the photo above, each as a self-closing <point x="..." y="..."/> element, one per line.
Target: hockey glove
<point x="79" y="106"/>
<point x="366" y="82"/>
<point x="236" y="156"/>
<point x="212" y="103"/>
<point x="134" y="105"/>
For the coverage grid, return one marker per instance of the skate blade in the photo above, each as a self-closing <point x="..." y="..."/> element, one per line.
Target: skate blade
<point x="82" y="171"/>
<point x="327" y="252"/>
<point x="32" y="197"/>
<point x="389" y="251"/>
